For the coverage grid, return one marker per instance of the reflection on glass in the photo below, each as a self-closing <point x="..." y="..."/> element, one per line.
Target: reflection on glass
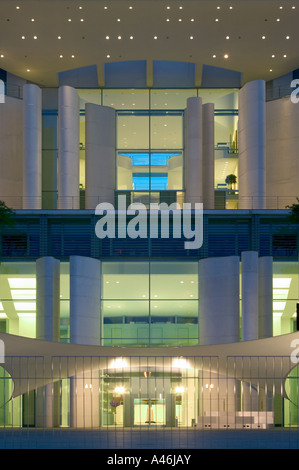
<point x="132" y="131"/>
<point x="166" y="131"/>
<point x="157" y="171"/>
<point x="126" y="99"/>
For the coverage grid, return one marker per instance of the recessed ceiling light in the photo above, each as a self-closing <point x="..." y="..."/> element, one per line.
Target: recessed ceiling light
<point x="192" y="19"/>
<point x="280" y="8"/>
<point x="82" y="19"/>
<point x="32" y="19"/>
<point x="191" y="37"/>
<point x="70" y="19"/>
<point x="131" y="37"/>
<point x="180" y="19"/>
<point x="167" y="19"/>
<point x="108" y="56"/>
<point x="73" y="56"/>
<point x="278" y="19"/>
<point x="118" y="19"/>
<point x="107" y="37"/>
<point x="225" y="56"/>
<point x="273" y="55"/>
<point x="23" y="37"/>
<point x="168" y="8"/>
<point x="287" y="37"/>
<point x="214" y="56"/>
<point x="270" y="70"/>
<point x="155" y="37"/>
<point x="227" y="37"/>
<point x="130" y="8"/>
<point x="118" y="37"/>
<point x="284" y="55"/>
<point x="230" y="7"/>
<point x="80" y="8"/>
<point x="2" y="56"/>
<point x="293" y="7"/>
<point x="17" y="8"/>
<point x="218" y="8"/>
<point x="105" y="8"/>
<point x="34" y="37"/>
<point x="263" y="37"/>
<point x="216" y="19"/>
<point x="61" y="56"/>
<point x="28" y="70"/>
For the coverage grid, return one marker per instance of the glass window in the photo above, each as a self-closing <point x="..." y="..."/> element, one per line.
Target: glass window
<point x="126" y="99"/>
<point x="170" y="99"/>
<point x="167" y="131"/>
<point x="132" y="131"/>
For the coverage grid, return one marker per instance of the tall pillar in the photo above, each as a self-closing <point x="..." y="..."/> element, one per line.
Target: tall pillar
<point x="48" y="329"/>
<point x="100" y="166"/>
<point x="219" y="300"/>
<point x="193" y="151"/>
<point x="85" y="328"/>
<point x="32" y="152"/>
<point x="208" y="143"/>
<point x="250" y="295"/>
<point x="69" y="148"/>
<point x="219" y="323"/>
<point x="252" y="148"/>
<point x="265" y="297"/>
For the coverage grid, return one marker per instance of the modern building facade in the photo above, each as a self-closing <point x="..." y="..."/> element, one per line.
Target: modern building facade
<point x="139" y="331"/>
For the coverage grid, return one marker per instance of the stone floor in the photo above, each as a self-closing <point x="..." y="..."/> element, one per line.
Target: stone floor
<point x="276" y="438"/>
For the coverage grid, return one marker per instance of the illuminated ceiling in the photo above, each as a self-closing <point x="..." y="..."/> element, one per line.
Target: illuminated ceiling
<point x="39" y="38"/>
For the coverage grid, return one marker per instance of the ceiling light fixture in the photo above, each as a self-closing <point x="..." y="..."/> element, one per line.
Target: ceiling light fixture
<point x="225" y="56"/>
<point x="23" y="37"/>
<point x="58" y="37"/>
<point x="131" y="37"/>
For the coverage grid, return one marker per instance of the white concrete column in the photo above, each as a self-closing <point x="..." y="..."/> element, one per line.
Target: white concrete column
<point x="219" y="300"/>
<point x="68" y="148"/>
<point x="85" y="319"/>
<point x="85" y="300"/>
<point x="252" y="148"/>
<point x="193" y="151"/>
<point x="208" y="169"/>
<point x="265" y="297"/>
<point x="100" y="164"/>
<point x="48" y="299"/>
<point x="32" y="151"/>
<point x="48" y="329"/>
<point x="250" y="295"/>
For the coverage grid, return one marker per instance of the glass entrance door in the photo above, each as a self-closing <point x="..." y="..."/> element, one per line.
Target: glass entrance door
<point x="149" y="411"/>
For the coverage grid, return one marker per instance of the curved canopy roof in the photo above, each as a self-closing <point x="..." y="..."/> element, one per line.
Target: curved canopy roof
<point x="266" y="362"/>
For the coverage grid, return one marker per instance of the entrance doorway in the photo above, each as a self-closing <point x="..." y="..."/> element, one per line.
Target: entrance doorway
<point x="149" y="412"/>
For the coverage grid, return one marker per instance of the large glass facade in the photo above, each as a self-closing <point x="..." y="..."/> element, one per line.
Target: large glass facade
<point x="146" y="304"/>
<point x="150" y="303"/>
<point x="142" y="302"/>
